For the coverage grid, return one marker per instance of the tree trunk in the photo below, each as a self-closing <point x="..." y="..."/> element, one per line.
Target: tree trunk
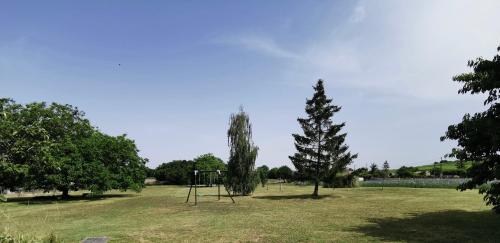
<point x="65" y="193"/>
<point x="315" y="193"/>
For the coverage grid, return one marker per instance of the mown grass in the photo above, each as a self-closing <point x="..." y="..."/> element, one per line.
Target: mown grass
<point x="159" y="214"/>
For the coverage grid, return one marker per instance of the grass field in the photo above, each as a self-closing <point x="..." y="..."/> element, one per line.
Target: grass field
<point x="446" y="166"/>
<point x="159" y="214"/>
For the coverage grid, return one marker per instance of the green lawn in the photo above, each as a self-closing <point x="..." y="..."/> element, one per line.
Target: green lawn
<point x="159" y="214"/>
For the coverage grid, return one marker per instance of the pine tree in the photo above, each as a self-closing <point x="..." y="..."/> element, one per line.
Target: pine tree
<point x="374" y="170"/>
<point x="242" y="155"/>
<point x="386" y="169"/>
<point x="321" y="149"/>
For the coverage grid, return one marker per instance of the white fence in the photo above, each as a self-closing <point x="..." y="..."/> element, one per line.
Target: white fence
<point x="415" y="182"/>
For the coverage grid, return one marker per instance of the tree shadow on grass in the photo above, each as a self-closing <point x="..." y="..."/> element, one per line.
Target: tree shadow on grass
<point x="444" y="226"/>
<point x="57" y="199"/>
<point x="300" y="196"/>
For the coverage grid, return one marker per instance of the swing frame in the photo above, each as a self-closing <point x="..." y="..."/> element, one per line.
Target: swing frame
<point x="196" y="178"/>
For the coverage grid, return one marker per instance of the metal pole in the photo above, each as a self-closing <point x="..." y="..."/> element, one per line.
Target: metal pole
<point x="195" y="188"/>
<point x="229" y="194"/>
<point x="191" y="187"/>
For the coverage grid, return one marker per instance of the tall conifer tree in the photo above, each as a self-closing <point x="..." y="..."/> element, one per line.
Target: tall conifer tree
<point x="321" y="149"/>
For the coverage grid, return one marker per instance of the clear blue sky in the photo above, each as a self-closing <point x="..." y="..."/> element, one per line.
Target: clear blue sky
<point x="185" y="66"/>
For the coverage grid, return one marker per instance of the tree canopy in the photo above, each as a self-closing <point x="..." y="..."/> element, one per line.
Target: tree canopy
<point x="263" y="172"/>
<point x="478" y="135"/>
<point x="47" y="147"/>
<point x="209" y="162"/>
<point x="285" y="173"/>
<point x="176" y="172"/>
<point x="241" y="176"/>
<point x="321" y="150"/>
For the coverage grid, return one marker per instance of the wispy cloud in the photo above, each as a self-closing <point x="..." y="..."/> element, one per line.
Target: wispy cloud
<point x="263" y="45"/>
<point x="404" y="52"/>
<point x="358" y="15"/>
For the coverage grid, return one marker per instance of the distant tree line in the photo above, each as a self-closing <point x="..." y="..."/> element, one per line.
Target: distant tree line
<point x="54" y="147"/>
<point x="451" y="169"/>
<point x="178" y="172"/>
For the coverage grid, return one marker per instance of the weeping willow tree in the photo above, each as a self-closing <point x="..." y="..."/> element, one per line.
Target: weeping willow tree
<point x="241" y="177"/>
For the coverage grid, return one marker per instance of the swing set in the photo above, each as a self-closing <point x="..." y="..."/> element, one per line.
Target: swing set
<point x="214" y="177"/>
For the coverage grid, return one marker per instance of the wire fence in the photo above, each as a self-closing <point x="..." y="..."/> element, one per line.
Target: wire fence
<point x="415" y="182"/>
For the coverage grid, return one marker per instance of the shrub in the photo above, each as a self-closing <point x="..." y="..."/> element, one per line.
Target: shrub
<point x="341" y="181"/>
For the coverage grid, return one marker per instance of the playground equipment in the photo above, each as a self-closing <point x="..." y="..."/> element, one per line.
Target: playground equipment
<point x="213" y="176"/>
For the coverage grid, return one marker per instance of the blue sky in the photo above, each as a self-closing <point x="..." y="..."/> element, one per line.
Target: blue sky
<point x="185" y="66"/>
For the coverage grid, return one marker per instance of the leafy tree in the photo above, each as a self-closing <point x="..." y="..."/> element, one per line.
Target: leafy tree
<point x="15" y="152"/>
<point x="108" y="163"/>
<point x="209" y="162"/>
<point x="150" y="173"/>
<point x="263" y="172"/>
<point x="478" y="136"/>
<point x="176" y="172"/>
<point x="361" y="172"/>
<point x="242" y="155"/>
<point x="405" y="172"/>
<point x="299" y="176"/>
<point x="321" y="148"/>
<point x="460" y="164"/>
<point x="436" y="171"/>
<point x="273" y="173"/>
<point x="48" y="147"/>
<point x="285" y="173"/>
<point x="385" y="169"/>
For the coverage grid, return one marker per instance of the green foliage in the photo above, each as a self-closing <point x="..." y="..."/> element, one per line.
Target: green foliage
<point x="263" y="172"/>
<point x="285" y="173"/>
<point x="436" y="171"/>
<point x="373" y="169"/>
<point x="321" y="149"/>
<point x="177" y="172"/>
<point x="209" y="162"/>
<point x="48" y="147"/>
<point x="340" y="181"/>
<point x="273" y="173"/>
<point x="406" y="172"/>
<point x="478" y="135"/>
<point x="446" y="166"/>
<point x="361" y="172"/>
<point x="385" y="169"/>
<point x="375" y="172"/>
<point x="241" y="176"/>
<point x="150" y="173"/>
